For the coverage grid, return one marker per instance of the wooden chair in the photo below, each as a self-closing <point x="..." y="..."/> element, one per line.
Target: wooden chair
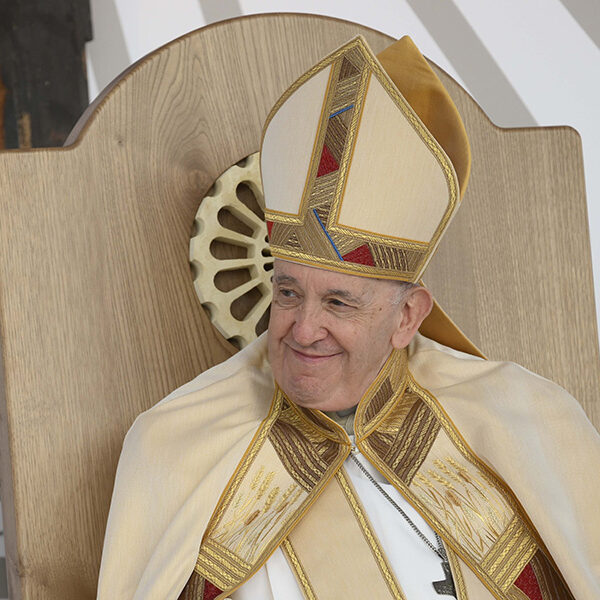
<point x="98" y="315"/>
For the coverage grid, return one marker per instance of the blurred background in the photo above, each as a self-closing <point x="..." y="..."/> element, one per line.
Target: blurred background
<point x="527" y="64"/>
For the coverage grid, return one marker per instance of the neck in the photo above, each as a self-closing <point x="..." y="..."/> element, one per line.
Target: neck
<point x="344" y="418"/>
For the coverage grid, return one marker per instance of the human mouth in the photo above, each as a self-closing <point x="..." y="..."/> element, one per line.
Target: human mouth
<point x="312" y="359"/>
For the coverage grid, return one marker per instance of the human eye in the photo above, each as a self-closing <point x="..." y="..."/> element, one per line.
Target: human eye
<point x="338" y="305"/>
<point x="286" y="295"/>
<point x="337" y="302"/>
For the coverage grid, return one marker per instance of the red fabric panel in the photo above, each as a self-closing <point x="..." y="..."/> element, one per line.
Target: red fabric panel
<point x="210" y="591"/>
<point x="527" y="582"/>
<point x="361" y="255"/>
<point x="269" y="227"/>
<point x="328" y="164"/>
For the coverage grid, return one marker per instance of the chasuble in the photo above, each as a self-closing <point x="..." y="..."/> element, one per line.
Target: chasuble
<point x="497" y="460"/>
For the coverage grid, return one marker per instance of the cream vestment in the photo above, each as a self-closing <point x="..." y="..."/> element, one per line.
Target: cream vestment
<point x="414" y="565"/>
<point x="225" y="470"/>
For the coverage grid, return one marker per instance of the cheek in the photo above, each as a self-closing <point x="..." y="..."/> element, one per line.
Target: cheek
<point x="275" y="353"/>
<point x="368" y="343"/>
<point x="279" y="322"/>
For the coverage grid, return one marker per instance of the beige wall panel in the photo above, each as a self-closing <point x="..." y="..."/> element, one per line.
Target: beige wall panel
<point x="98" y="317"/>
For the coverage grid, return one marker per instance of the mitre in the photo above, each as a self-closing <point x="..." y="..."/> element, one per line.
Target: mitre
<point x="364" y="162"/>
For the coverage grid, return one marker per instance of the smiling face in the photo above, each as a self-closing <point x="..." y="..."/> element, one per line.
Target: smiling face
<point x="330" y="333"/>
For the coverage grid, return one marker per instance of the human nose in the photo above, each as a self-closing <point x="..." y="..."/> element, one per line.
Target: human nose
<point x="308" y="326"/>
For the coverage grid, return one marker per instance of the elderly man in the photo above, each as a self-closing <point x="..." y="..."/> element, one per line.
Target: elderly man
<point x="346" y="455"/>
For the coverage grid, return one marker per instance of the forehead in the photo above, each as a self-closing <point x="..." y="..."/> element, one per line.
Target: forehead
<point x="322" y="279"/>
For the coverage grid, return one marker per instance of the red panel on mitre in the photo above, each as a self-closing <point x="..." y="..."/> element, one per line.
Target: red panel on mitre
<point x="361" y="255"/>
<point x="328" y="164"/>
<point x="269" y="227"/>
<point x="527" y="582"/>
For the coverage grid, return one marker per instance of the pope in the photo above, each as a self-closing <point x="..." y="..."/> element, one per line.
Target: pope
<point x="362" y="447"/>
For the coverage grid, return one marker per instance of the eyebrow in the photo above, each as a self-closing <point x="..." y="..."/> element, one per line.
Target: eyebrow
<point x="345" y="294"/>
<point x="340" y="293"/>
<point x="285" y="279"/>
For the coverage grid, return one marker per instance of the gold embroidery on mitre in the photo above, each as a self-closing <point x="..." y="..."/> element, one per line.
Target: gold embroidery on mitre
<point x="315" y="235"/>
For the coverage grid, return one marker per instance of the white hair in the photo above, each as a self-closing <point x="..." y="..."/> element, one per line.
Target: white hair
<point x="402" y="289"/>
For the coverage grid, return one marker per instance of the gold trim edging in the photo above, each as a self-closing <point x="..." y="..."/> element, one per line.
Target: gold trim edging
<point x="370" y="537"/>
<point x="298" y="569"/>
<point x="459" y="582"/>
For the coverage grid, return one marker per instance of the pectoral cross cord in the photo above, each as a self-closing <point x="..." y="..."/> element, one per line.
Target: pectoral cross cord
<point x="444" y="587"/>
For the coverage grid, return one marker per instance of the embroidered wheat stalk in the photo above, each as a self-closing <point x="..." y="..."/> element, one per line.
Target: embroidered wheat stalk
<point x="467" y="503"/>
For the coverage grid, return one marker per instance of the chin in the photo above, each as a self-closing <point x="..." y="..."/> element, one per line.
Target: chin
<point x="305" y="398"/>
<point x="308" y="396"/>
<point x="319" y="401"/>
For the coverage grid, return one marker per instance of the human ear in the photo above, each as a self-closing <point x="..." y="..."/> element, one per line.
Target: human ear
<point x="417" y="306"/>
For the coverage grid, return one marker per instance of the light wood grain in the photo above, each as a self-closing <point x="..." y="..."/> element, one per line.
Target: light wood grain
<point x="98" y="316"/>
<point x="522" y="286"/>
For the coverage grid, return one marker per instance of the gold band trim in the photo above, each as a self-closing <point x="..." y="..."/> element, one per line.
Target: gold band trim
<point x="212" y="565"/>
<point x="339" y="266"/>
<point x="511" y="552"/>
<point x="459" y="582"/>
<point x="298" y="570"/>
<point x="369" y="535"/>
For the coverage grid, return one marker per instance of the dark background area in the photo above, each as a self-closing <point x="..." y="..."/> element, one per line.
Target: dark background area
<point x="43" y="83"/>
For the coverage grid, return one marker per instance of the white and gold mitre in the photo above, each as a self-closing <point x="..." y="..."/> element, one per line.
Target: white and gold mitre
<point x="364" y="161"/>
